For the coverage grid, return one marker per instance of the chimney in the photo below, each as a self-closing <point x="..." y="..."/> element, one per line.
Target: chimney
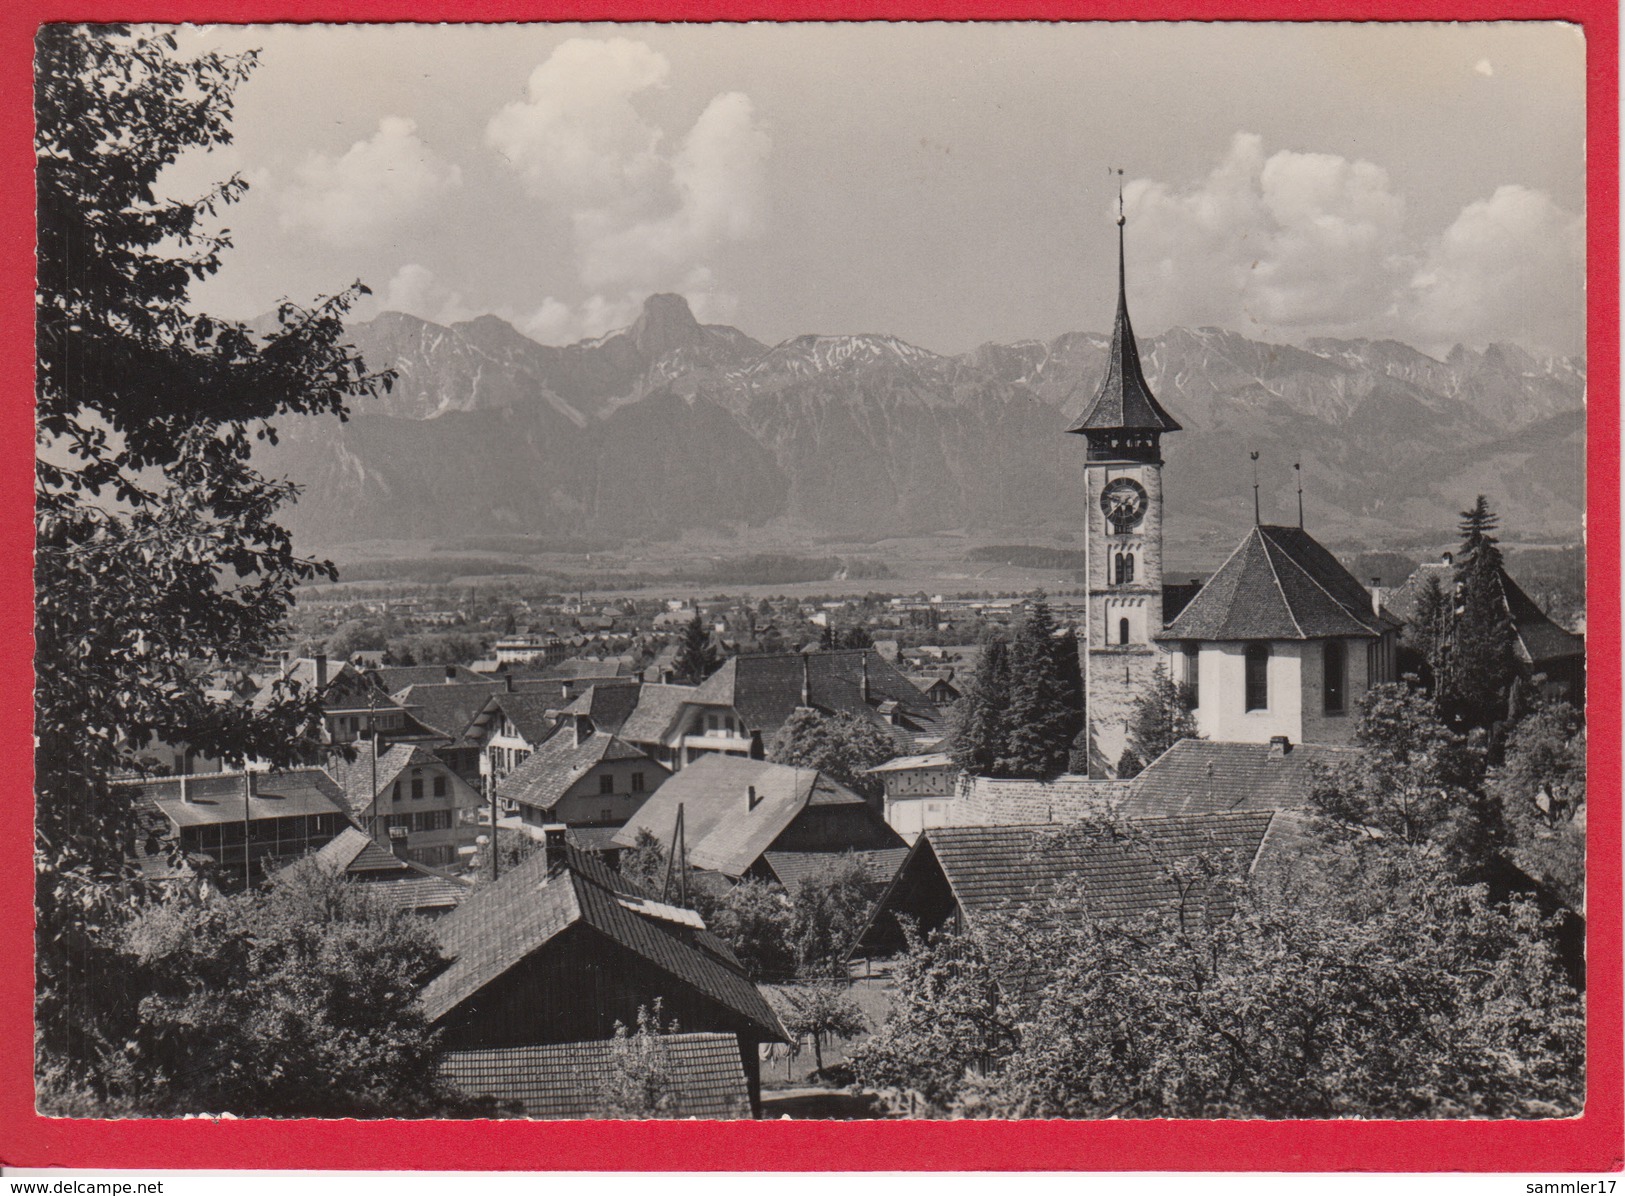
<point x="507" y="682"/>
<point x="451" y="673"/>
<point x="1280" y="745"/>
<point x="751" y="800"/>
<point x="185" y="796"/>
<point x="554" y="835"/>
<point x="865" y="659"/>
<point x="1449" y="558"/>
<point x="397" y="841"/>
<point x="806" y="680"/>
<point x="1376" y="595"/>
<point x="321" y="671"/>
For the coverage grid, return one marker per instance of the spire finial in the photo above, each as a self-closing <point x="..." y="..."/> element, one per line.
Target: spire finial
<point x="1254" y="456"/>
<point x="1121" y="219"/>
<point x="1297" y="468"/>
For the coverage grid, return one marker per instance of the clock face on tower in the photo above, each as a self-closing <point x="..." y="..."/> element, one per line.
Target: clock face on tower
<point x="1123" y="501"/>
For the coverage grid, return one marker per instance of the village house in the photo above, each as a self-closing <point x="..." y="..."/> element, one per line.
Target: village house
<point x="1282" y="641"/>
<point x="529" y="649"/>
<point x="584" y="776"/>
<point x="919" y="792"/>
<point x="751" y="818"/>
<point x="1201" y="776"/>
<point x="508" y="728"/>
<point x="410" y="798"/>
<point x="236" y="825"/>
<point x="563" y="948"/>
<point x="962" y="878"/>
<point x="402" y="883"/>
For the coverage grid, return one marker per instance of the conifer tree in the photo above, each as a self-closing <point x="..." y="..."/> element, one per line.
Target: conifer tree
<point x="980" y="717"/>
<point x="1044" y="709"/>
<point x="1161" y="717"/>
<point x="1481" y="664"/>
<point x="697" y="656"/>
<point x="1429" y="631"/>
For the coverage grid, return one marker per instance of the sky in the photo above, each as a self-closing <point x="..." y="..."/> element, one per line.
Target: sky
<point x="949" y="184"/>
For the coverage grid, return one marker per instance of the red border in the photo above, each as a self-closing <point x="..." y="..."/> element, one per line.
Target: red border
<point x="1592" y="1142"/>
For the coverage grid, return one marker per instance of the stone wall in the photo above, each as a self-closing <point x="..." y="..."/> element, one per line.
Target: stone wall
<point x="984" y="801"/>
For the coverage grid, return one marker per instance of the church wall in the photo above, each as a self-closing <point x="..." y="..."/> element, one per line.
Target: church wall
<point x="1318" y="726"/>
<point x="1221" y="711"/>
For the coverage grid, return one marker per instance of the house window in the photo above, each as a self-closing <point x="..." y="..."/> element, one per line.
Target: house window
<point x="608" y="815"/>
<point x="606" y="785"/>
<point x="637" y="782"/>
<point x="1193" y="675"/>
<point x="440" y="786"/>
<point x="710" y="722"/>
<point x="728" y="723"/>
<point x="1334" y="675"/>
<point x="1258" y="677"/>
<point x="1122" y="631"/>
<point x="395" y="791"/>
<point x="417" y="788"/>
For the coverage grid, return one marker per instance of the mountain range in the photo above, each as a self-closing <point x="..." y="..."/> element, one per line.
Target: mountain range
<point x="672" y="424"/>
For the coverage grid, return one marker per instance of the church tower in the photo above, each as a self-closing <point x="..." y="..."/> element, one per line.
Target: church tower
<point x="1122" y="541"/>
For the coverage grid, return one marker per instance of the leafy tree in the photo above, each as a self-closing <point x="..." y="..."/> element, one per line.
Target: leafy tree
<point x="1542" y="791"/>
<point x="842" y="746"/>
<point x="1416" y="782"/>
<point x="855" y="636"/>
<point x="1045" y="713"/>
<point x="156" y="540"/>
<point x="1481" y="664"/>
<point x="641" y="1082"/>
<point x="1128" y="765"/>
<point x="299" y="999"/>
<point x="981" y="716"/>
<point x="828" y="911"/>
<point x="753" y="918"/>
<point x="697" y="656"/>
<point x="948" y="1017"/>
<point x="1160" y="718"/>
<point x="821" y="1012"/>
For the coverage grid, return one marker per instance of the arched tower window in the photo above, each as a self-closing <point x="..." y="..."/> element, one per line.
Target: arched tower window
<point x="1334" y="676"/>
<point x="1258" y="677"/>
<point x="1122" y="631"/>
<point x="1128" y="569"/>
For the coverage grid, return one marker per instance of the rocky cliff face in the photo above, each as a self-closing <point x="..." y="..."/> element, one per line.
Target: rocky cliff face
<point x="673" y="424"/>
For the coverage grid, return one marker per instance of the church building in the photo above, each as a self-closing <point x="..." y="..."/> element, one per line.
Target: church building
<point x="1282" y="641"/>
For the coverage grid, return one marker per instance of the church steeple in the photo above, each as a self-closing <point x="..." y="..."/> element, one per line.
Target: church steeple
<point x="1124" y="403"/>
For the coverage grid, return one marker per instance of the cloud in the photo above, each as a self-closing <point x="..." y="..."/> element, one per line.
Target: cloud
<point x="375" y="186"/>
<point x="1510" y="267"/>
<point x="646" y="211"/>
<point x="415" y="290"/>
<point x="1284" y="242"/>
<point x="1295" y="244"/>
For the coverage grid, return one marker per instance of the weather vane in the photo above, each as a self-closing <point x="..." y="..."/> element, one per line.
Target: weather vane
<point x="1254" y="456"/>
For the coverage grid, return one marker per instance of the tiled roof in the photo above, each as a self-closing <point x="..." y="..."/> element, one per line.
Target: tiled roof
<point x="300" y="672"/>
<point x="218" y="797"/>
<point x="722" y="831"/>
<point x="657" y="709"/>
<point x="446" y="708"/>
<point x="609" y="706"/>
<point x="999" y="869"/>
<point x="533" y="714"/>
<point x="767" y="690"/>
<point x="793" y="867"/>
<point x="1201" y="776"/>
<point x="1538" y="637"/>
<point x="393" y="678"/>
<point x="508" y="920"/>
<point x="910" y="763"/>
<point x="564" y="1081"/>
<point x="1279" y="584"/>
<point x="1124" y="399"/>
<point x="550" y="770"/>
<point x="404" y="884"/>
<point x="577" y="669"/>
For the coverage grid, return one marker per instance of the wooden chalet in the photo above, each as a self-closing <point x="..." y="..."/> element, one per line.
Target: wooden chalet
<point x="563" y="948"/>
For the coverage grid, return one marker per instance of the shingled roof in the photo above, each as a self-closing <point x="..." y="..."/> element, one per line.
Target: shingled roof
<point x="1201" y="776"/>
<point x="657" y="709"/>
<point x="566" y="1080"/>
<point x="793" y="867"/>
<point x="510" y="919"/>
<point x="722" y="830"/>
<point x="219" y="797"/>
<point x="1279" y="584"/>
<point x="1124" y="400"/>
<point x="608" y="706"/>
<point x="1115" y="874"/>
<point x="533" y="714"/>
<point x="767" y="690"/>
<point x="356" y="776"/>
<point x="561" y="761"/>
<point x="394" y="678"/>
